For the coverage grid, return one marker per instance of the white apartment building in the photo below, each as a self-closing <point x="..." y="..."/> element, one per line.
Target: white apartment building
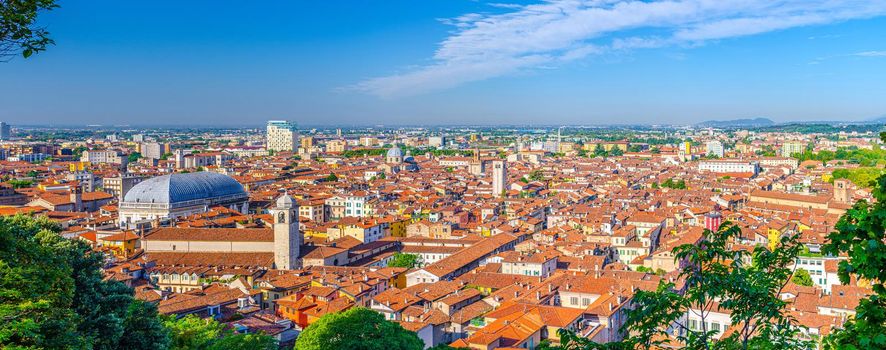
<point x="282" y="136"/>
<point x="729" y="166"/>
<point x="153" y="150"/>
<point x="715" y="148"/>
<point x="789" y="148"/>
<point x="103" y="156"/>
<point x="355" y="205"/>
<point x="437" y="141"/>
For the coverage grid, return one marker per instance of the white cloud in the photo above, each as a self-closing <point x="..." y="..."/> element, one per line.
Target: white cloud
<point x="819" y="60"/>
<point x="484" y="46"/>
<point x="870" y="54"/>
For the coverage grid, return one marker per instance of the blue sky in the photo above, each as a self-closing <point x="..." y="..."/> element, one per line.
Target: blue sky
<point x="361" y="62"/>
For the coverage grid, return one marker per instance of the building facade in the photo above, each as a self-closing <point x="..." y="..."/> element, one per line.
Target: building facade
<point x="176" y="195"/>
<point x="499" y="177"/>
<point x="282" y="136"/>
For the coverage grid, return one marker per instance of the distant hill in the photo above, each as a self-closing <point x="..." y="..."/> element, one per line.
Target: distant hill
<point x="737" y="123"/>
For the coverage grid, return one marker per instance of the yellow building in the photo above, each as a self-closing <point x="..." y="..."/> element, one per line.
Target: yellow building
<point x="398" y="226"/>
<point x="123" y="243"/>
<point x="622" y="145"/>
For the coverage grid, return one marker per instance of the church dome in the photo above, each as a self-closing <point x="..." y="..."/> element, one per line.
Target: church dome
<point x="395" y="152"/>
<point x="176" y="188"/>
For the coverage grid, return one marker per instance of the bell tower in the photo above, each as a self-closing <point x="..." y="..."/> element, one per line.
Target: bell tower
<point x="287" y="235"/>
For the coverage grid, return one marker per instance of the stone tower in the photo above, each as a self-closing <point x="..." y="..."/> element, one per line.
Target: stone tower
<point x="476" y="165"/>
<point x="287" y="236"/>
<point x="499" y="177"/>
<point x="841" y="190"/>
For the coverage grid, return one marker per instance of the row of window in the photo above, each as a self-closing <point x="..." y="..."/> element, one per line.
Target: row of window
<point x="584" y="301"/>
<point x="695" y="325"/>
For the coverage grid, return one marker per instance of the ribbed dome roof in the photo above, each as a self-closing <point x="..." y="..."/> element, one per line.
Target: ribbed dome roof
<point x="395" y="152"/>
<point x="176" y="188"/>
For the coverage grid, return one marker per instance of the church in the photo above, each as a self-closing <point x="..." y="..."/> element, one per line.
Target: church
<point x="278" y="247"/>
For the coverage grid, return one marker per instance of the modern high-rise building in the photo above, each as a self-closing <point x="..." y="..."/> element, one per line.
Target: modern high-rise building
<point x="499" y="177"/>
<point x="282" y="136"/>
<point x="789" y="148"/>
<point x="5" y="131"/>
<point x="153" y="150"/>
<point x="715" y="148"/>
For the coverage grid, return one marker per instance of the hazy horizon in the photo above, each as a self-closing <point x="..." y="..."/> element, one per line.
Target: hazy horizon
<point x="451" y="63"/>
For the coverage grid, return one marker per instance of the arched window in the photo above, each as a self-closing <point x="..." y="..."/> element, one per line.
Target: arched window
<point x="281" y="218"/>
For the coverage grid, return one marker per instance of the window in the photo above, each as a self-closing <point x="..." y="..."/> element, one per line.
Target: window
<point x="585" y="301"/>
<point x="693" y="325"/>
<point x="715" y="327"/>
<point x="573" y="300"/>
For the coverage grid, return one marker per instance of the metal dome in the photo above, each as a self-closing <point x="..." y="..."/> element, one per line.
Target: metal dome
<point x="175" y="188"/>
<point x="395" y="152"/>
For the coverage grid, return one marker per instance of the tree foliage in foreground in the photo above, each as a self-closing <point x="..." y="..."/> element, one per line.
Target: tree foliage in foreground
<point x="19" y="33"/>
<point x="357" y="329"/>
<point x="860" y="234"/>
<point x="194" y="333"/>
<point x="52" y="295"/>
<point x="714" y="277"/>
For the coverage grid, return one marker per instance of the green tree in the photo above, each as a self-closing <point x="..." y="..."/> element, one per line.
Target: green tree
<point x="53" y="296"/>
<point x="599" y="151"/>
<point x="405" y="260"/>
<point x="331" y="178"/>
<point x="802" y="278"/>
<point x="194" y="333"/>
<point x="21" y="183"/>
<point x="191" y="332"/>
<point x="143" y="329"/>
<point x="536" y="175"/>
<point x="859" y="234"/>
<point x="245" y="342"/>
<point x="714" y="276"/>
<point x="19" y="33"/>
<point x="357" y="329"/>
<point x="134" y="157"/>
